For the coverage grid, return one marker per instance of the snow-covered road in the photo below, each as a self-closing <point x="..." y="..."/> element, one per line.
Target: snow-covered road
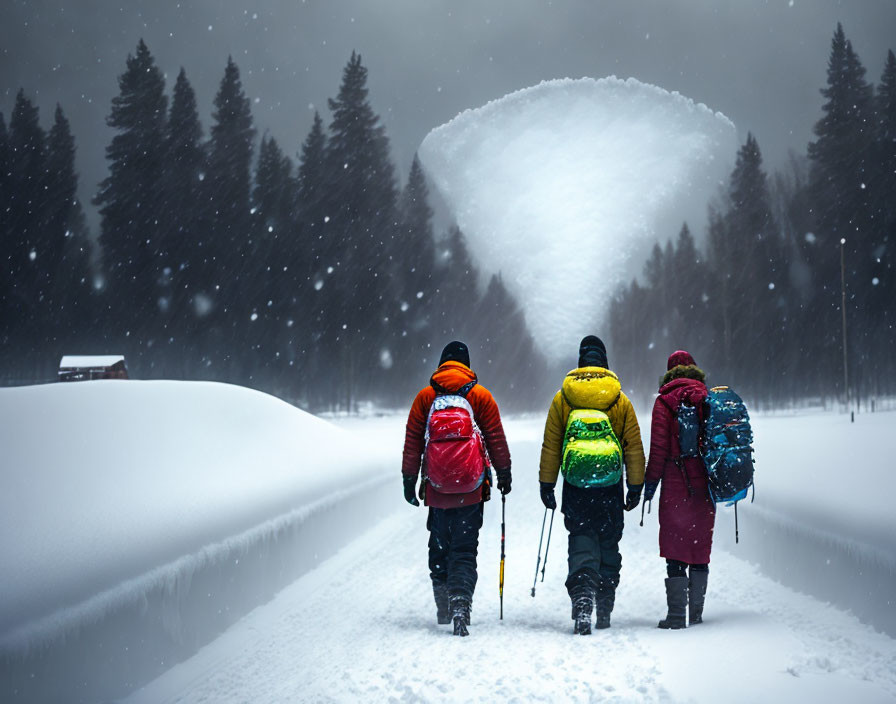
<point x="361" y="627"/>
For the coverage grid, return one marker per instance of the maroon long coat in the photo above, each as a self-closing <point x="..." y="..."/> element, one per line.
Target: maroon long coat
<point x="686" y="521"/>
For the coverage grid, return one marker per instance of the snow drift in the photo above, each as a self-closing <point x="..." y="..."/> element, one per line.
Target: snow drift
<point x="140" y="519"/>
<point x="562" y="185"/>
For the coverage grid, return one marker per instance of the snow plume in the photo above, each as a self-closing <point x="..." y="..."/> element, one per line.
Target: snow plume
<point x="564" y="187"/>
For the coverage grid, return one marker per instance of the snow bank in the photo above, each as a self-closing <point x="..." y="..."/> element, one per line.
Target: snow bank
<point x="139" y="519"/>
<point x="823" y="520"/>
<point x="562" y="185"/>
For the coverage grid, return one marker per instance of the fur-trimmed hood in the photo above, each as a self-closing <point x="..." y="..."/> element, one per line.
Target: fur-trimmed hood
<point x="682" y="371"/>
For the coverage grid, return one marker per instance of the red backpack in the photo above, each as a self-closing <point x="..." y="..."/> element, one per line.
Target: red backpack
<point x="454" y="457"/>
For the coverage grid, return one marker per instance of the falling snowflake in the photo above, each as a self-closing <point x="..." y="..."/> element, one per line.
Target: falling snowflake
<point x="253" y="317"/>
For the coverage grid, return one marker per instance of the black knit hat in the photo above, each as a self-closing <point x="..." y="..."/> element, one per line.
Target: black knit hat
<point x="455" y="351"/>
<point x="592" y="352"/>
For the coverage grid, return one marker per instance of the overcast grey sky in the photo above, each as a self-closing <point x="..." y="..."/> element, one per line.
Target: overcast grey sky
<point x="761" y="62"/>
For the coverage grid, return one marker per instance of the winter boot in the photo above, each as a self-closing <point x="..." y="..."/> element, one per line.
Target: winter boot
<point x="443" y="613"/>
<point x="604" y="600"/>
<point x="582" y="606"/>
<point x="460" y="614"/>
<point x="677" y="600"/>
<point x="696" y="595"/>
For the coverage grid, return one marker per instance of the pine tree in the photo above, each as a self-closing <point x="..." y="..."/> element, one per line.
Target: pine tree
<point x="310" y="264"/>
<point x="360" y="235"/>
<point x="456" y="296"/>
<point x="27" y="221"/>
<point x="57" y="283"/>
<point x="414" y="278"/>
<point x="504" y="350"/>
<point x="227" y="195"/>
<point x="185" y="245"/>
<point x="271" y="292"/>
<point x="840" y="185"/>
<point x="883" y="292"/>
<point x="131" y="199"/>
<point x="5" y="233"/>
<point x="752" y="263"/>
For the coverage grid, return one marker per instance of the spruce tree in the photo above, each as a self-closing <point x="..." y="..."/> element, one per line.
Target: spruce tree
<point x="185" y="245"/>
<point x="57" y="283"/>
<point x="456" y="297"/>
<point x="27" y="221"/>
<point x="883" y="257"/>
<point x="5" y="233"/>
<point x="271" y="294"/>
<point x="227" y="196"/>
<point x="360" y="236"/>
<point x="131" y="201"/>
<point x="841" y="187"/>
<point x="414" y="275"/>
<point x="753" y="265"/>
<point x="310" y="263"/>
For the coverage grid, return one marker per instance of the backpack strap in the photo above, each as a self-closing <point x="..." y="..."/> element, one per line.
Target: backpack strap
<point x="678" y="461"/>
<point x="442" y="391"/>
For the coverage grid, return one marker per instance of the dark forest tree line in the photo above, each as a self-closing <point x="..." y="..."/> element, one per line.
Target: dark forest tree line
<point x="760" y="306"/>
<point x="321" y="281"/>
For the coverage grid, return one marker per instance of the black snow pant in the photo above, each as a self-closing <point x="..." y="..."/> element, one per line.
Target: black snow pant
<point x="594" y="519"/>
<point x="453" y="547"/>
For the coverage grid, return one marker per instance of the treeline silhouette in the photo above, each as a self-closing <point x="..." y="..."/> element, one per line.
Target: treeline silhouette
<point x="316" y="279"/>
<point x="761" y="304"/>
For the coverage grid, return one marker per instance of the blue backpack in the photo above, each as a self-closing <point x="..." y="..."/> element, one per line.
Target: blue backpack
<point x="723" y="440"/>
<point x="727" y="446"/>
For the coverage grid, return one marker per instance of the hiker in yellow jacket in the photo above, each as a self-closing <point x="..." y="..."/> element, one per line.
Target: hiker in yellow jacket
<point x="591" y="455"/>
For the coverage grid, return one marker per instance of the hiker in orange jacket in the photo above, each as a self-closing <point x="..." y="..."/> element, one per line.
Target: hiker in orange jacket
<point x="454" y="518"/>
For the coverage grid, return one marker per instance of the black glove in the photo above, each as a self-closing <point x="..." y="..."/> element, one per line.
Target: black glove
<point x="633" y="496"/>
<point x="650" y="490"/>
<point x="547" y="495"/>
<point x="410" y="489"/>
<point x="503" y="480"/>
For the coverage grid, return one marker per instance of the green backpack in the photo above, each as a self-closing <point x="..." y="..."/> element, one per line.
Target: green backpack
<point x="592" y="456"/>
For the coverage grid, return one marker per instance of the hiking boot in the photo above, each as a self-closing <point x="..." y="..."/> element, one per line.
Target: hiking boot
<point x="582" y="606"/>
<point x="696" y="595"/>
<point x="443" y="612"/>
<point x="604" y="600"/>
<point x="583" y="625"/>
<point x="460" y="614"/>
<point x="677" y="601"/>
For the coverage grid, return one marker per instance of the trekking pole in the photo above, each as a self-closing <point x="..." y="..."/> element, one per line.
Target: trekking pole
<point x="538" y="564"/>
<point x="501" y="574"/>
<point x="736" y="530"/>
<point x="548" y="546"/>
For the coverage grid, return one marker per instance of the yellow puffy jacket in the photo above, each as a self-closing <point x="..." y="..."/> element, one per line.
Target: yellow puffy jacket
<point x="599" y="388"/>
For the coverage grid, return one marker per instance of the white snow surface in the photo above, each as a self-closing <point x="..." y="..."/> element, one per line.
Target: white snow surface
<point x="106" y="481"/>
<point x="91" y="518"/>
<point x="565" y="186"/>
<point x="91" y="360"/>
<point x="362" y="626"/>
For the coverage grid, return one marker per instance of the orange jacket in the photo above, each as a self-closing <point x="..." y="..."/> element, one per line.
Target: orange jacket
<point x="451" y="376"/>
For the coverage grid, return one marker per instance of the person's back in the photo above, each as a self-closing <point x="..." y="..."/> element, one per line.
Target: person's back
<point x="455" y="516"/>
<point x="593" y="511"/>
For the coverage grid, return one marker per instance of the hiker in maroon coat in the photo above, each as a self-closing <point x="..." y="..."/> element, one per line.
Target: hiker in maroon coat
<point x="687" y="513"/>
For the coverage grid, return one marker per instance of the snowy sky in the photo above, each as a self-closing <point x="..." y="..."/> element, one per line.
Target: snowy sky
<point x="429" y="61"/>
